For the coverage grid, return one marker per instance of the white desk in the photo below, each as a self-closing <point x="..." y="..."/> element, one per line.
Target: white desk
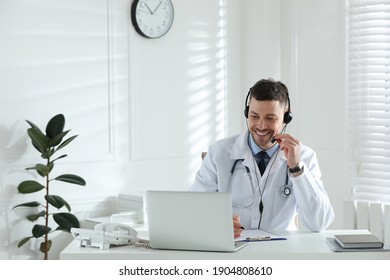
<point x="298" y="246"/>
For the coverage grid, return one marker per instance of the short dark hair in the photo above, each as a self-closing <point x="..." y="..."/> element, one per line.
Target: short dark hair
<point x="269" y="89"/>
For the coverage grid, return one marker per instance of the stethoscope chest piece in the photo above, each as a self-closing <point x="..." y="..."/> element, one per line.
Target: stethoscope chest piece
<point x="285" y="190"/>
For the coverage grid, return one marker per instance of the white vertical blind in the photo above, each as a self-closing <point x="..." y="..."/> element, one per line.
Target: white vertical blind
<point x="369" y="88"/>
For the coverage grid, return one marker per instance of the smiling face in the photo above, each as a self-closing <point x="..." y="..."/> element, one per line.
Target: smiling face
<point x="265" y="120"/>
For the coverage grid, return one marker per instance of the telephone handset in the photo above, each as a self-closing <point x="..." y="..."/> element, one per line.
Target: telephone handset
<point x="106" y="234"/>
<point x="118" y="229"/>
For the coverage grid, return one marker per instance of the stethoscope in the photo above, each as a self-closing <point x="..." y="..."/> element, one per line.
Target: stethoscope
<point x="284" y="191"/>
<point x="250" y="179"/>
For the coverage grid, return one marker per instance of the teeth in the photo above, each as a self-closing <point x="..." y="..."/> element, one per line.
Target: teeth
<point x="261" y="133"/>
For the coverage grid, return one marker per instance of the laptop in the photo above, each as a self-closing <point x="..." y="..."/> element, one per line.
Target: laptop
<point x="184" y="220"/>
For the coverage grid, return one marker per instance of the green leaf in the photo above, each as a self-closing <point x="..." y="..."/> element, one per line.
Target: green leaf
<point x="43" y="248"/>
<point x="42" y="169"/>
<point x="58" y="138"/>
<point x="57" y="201"/>
<point x="35" y="217"/>
<point x="55" y="126"/>
<point x="66" y="142"/>
<point x="40" y="230"/>
<point x="70" y="178"/>
<point x="38" y="139"/>
<point x="60" y="157"/>
<point x="48" y="153"/>
<point x="66" y="221"/>
<point x="29" y="187"/>
<point x="28" y="204"/>
<point x="33" y="125"/>
<point x="24" y="241"/>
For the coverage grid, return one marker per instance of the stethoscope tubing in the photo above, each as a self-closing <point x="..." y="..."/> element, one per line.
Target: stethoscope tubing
<point x="285" y="191"/>
<point x="250" y="179"/>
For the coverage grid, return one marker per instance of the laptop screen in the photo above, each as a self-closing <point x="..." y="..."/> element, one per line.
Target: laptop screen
<point x="184" y="220"/>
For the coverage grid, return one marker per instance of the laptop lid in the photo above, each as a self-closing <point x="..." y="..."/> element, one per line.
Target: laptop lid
<point x="183" y="220"/>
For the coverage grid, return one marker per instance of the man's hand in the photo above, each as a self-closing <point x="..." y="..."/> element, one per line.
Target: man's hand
<point x="237" y="226"/>
<point x="291" y="147"/>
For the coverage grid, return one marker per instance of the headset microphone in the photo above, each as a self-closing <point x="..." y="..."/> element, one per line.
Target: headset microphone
<point x="273" y="139"/>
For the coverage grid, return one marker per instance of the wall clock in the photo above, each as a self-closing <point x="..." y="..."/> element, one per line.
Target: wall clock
<point x="152" y="18"/>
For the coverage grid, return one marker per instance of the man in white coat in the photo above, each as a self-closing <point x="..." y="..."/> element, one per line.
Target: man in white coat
<point x="268" y="189"/>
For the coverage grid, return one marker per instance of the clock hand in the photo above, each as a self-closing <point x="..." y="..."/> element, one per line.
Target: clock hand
<point x="143" y="11"/>
<point x="157" y="7"/>
<point x="150" y="11"/>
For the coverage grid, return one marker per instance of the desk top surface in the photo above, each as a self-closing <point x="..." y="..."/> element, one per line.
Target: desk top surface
<point x="299" y="245"/>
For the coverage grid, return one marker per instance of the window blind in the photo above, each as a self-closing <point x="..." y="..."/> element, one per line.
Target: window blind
<point x="368" y="34"/>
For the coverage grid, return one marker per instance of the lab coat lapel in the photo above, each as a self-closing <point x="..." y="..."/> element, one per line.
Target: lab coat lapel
<point x="241" y="150"/>
<point x="279" y="161"/>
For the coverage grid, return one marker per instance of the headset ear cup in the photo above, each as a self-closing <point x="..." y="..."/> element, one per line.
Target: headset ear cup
<point x="287" y="118"/>
<point x="246" y="111"/>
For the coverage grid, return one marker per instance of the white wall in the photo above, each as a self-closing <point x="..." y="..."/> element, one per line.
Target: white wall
<point x="177" y="96"/>
<point x="67" y="57"/>
<point x="145" y="109"/>
<point x="313" y="63"/>
<point x="301" y="42"/>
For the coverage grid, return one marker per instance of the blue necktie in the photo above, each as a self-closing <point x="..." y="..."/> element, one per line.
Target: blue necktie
<point x="261" y="157"/>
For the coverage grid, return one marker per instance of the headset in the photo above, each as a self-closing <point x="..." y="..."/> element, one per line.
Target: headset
<point x="287" y="118"/>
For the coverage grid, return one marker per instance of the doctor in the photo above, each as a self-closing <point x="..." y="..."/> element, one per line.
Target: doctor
<point x="291" y="182"/>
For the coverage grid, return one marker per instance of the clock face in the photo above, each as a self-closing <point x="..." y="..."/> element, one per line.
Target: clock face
<point x="152" y="18"/>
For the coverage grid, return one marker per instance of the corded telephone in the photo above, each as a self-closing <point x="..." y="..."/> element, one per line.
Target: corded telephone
<point x="105" y="234"/>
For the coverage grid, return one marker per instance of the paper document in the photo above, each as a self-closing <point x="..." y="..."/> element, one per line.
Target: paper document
<point x="253" y="235"/>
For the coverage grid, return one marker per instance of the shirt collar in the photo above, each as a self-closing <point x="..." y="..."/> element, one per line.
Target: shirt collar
<point x="256" y="149"/>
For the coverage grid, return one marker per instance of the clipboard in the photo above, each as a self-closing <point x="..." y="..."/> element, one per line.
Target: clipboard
<point x="258" y="236"/>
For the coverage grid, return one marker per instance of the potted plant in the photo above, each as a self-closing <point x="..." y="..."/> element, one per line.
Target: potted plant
<point x="48" y="144"/>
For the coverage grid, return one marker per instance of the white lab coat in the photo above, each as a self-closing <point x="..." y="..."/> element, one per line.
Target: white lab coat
<point x="308" y="197"/>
